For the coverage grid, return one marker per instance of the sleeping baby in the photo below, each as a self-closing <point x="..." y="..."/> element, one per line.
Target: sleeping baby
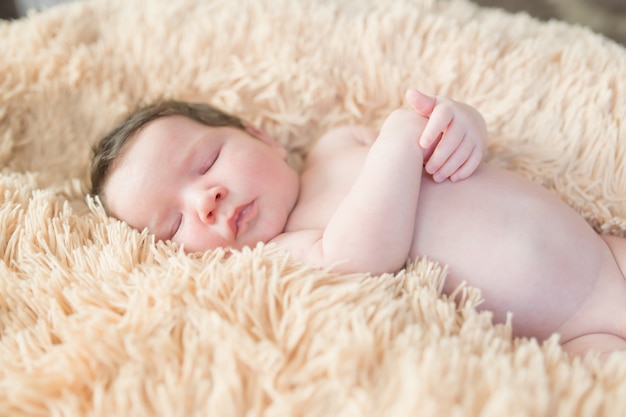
<point x="367" y="201"/>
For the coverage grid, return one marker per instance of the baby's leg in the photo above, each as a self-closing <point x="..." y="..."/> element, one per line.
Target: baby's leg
<point x="601" y="324"/>
<point x="618" y="248"/>
<point x="604" y="343"/>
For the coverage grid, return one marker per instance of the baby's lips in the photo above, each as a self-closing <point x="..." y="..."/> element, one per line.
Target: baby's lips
<point x="241" y="217"/>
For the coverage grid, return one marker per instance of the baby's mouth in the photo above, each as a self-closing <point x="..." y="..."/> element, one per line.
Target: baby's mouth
<point x="241" y="218"/>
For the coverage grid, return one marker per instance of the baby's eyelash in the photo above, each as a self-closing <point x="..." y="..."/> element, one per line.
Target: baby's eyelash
<point x="176" y="227"/>
<point x="210" y="162"/>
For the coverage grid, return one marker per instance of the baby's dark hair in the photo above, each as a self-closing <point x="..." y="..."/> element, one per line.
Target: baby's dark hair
<point x="108" y="150"/>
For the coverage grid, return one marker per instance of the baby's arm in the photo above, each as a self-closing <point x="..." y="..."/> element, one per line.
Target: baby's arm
<point x="372" y="228"/>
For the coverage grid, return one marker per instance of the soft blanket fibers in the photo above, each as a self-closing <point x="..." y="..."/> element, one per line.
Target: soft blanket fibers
<point x="97" y="319"/>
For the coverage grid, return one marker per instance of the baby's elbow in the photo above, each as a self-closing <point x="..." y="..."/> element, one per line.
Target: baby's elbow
<point x="366" y="265"/>
<point x="351" y="261"/>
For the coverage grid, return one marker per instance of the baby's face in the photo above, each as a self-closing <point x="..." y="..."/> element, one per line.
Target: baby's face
<point x="202" y="187"/>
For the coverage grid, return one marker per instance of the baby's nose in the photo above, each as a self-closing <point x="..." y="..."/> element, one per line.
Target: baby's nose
<point x="208" y="203"/>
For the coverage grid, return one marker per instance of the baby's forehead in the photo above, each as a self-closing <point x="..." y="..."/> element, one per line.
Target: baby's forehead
<point x="159" y="131"/>
<point x="145" y="143"/>
<point x="142" y="175"/>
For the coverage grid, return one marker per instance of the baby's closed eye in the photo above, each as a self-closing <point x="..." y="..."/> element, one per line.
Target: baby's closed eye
<point x="208" y="164"/>
<point x="176" y="226"/>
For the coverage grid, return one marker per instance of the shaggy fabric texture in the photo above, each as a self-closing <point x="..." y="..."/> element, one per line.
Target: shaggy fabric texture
<point x="97" y="319"/>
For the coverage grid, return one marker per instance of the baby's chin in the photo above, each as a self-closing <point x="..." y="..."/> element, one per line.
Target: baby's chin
<point x="237" y="247"/>
<point x="250" y="240"/>
<point x="221" y="252"/>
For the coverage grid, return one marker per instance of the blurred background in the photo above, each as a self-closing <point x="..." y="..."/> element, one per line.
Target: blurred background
<point x="603" y="16"/>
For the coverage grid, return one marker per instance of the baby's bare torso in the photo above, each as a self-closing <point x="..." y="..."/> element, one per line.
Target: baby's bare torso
<point x="528" y="252"/>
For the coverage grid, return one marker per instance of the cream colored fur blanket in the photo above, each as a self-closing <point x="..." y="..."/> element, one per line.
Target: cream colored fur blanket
<point x="98" y="320"/>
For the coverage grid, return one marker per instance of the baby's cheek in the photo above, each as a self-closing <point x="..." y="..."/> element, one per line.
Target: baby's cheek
<point x="199" y="239"/>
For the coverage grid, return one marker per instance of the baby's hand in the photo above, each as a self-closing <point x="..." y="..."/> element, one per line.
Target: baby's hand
<point x="454" y="137"/>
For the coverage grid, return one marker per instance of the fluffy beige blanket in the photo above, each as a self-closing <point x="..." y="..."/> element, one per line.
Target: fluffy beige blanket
<point x="99" y="320"/>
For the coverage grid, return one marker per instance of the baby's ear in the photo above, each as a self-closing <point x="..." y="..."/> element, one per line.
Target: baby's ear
<point x="265" y="138"/>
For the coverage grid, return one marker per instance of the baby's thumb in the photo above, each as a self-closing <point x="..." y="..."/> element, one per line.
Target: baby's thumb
<point x="422" y="103"/>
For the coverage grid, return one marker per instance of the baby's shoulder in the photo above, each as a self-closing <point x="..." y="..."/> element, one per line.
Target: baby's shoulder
<point x="343" y="137"/>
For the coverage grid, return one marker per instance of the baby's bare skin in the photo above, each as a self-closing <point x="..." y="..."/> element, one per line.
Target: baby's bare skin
<point x="367" y="200"/>
<point x="528" y="252"/>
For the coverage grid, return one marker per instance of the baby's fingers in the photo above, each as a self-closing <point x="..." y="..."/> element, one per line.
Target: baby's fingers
<point x="450" y="169"/>
<point x="422" y="103"/>
<point x="468" y="168"/>
<point x="428" y="106"/>
<point x="447" y="146"/>
<point x="438" y="123"/>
